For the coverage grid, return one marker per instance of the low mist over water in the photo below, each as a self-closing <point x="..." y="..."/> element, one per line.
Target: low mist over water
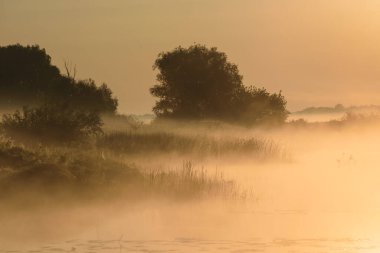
<point x="321" y="195"/>
<point x="189" y="126"/>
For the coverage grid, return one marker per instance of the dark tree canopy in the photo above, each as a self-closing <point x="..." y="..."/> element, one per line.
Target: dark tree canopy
<point x="27" y="77"/>
<point x="200" y="83"/>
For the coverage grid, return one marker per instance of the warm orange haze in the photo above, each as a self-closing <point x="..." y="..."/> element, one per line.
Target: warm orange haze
<point x="312" y="50"/>
<point x="189" y="126"/>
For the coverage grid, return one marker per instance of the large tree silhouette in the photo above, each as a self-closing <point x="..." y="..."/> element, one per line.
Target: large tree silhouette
<point x="200" y="83"/>
<point x="196" y="82"/>
<point x="27" y="77"/>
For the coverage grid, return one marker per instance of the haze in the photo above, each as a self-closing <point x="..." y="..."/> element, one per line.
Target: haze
<point x="317" y="52"/>
<point x="222" y="167"/>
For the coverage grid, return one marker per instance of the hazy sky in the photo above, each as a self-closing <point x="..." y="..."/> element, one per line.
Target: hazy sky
<point x="318" y="52"/>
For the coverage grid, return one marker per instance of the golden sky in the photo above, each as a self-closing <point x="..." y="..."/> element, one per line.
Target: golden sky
<point x="318" y="52"/>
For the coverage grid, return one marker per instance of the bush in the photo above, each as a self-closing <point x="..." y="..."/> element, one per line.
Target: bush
<point x="51" y="122"/>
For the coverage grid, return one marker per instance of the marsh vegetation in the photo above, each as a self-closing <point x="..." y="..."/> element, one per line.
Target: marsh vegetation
<point x="206" y="167"/>
<point x="68" y="134"/>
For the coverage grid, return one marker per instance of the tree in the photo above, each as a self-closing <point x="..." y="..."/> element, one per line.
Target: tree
<point x="27" y="77"/>
<point x="196" y="82"/>
<point x="24" y="72"/>
<point x="259" y="106"/>
<point x="200" y="83"/>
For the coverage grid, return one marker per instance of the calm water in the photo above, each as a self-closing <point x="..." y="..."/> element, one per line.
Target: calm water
<point x="327" y="200"/>
<point x="306" y="245"/>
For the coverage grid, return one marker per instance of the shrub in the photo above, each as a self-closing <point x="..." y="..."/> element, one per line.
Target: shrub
<point x="51" y="122"/>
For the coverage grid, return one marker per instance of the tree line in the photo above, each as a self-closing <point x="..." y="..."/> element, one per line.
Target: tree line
<point x="193" y="83"/>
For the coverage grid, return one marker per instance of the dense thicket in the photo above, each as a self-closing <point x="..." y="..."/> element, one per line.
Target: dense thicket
<point x="200" y="83"/>
<point x="51" y="123"/>
<point x="27" y="77"/>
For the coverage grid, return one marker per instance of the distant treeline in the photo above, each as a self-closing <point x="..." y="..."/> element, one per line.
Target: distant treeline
<point x="339" y="108"/>
<point x="27" y="77"/>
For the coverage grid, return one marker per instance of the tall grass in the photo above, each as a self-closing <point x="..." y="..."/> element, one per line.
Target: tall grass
<point x="48" y="169"/>
<point x="190" y="182"/>
<point x="135" y="142"/>
<point x="91" y="174"/>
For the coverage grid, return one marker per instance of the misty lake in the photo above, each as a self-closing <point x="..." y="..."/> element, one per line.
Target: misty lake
<point x="323" y="200"/>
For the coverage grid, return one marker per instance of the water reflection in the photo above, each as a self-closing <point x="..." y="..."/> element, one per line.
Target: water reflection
<point x="306" y="245"/>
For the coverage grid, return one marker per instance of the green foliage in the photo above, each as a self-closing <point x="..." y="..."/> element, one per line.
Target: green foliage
<point x="200" y="83"/>
<point x="51" y="122"/>
<point x="27" y="77"/>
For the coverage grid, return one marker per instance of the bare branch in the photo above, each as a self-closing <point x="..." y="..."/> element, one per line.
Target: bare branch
<point x="67" y="69"/>
<point x="75" y="71"/>
<point x="71" y="71"/>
